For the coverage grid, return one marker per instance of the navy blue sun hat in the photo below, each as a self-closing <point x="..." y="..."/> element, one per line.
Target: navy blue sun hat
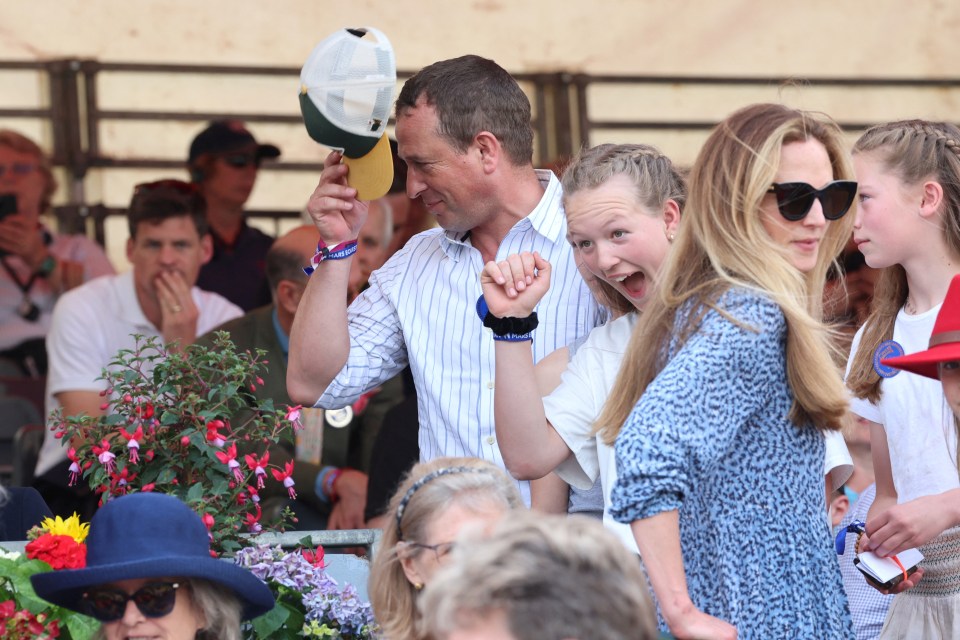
<point x="150" y="535"/>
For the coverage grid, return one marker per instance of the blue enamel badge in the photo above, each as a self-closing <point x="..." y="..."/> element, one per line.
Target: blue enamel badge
<point x="887" y="349"/>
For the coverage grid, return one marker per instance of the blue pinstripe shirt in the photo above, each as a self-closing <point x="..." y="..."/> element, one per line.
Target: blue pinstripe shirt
<point x="420" y="309"/>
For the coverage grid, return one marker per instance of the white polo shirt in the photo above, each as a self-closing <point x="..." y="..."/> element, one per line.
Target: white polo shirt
<point x="90" y="325"/>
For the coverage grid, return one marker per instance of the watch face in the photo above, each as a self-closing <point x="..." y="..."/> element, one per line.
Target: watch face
<point x="339" y="418"/>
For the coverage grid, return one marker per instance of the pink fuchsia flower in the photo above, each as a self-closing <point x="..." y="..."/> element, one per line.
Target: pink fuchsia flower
<point x="259" y="467"/>
<point x="293" y="415"/>
<point x="252" y="520"/>
<point x="120" y="480"/>
<point x="104" y="455"/>
<point x="229" y="458"/>
<point x="213" y="433"/>
<point x="133" y="443"/>
<point x="254" y="495"/>
<point x="74" y="466"/>
<point x="285" y="477"/>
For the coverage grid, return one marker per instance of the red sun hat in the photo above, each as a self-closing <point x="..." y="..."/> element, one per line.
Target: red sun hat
<point x="944" y="341"/>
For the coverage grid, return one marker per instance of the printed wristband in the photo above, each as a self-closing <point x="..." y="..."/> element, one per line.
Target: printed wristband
<point x="320" y="480"/>
<point x="328" y="483"/>
<point x="513" y="337"/>
<point x="339" y="252"/>
<point x="509" y="329"/>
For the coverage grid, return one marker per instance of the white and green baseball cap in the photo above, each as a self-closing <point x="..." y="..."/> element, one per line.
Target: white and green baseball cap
<point x="346" y="95"/>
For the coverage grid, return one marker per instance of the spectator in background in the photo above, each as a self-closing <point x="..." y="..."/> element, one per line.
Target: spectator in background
<point x="223" y="162"/>
<point x="435" y="503"/>
<point x="372" y="244"/>
<point x="38" y="264"/>
<point x="168" y="244"/>
<point x="536" y="577"/>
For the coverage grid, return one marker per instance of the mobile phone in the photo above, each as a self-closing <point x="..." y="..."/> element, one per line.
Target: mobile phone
<point x="889" y="584"/>
<point x="8" y="204"/>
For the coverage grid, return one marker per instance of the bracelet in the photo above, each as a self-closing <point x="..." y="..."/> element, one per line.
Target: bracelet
<point x="508" y="329"/>
<point x="339" y="252"/>
<point x="328" y="483"/>
<point x="320" y="480"/>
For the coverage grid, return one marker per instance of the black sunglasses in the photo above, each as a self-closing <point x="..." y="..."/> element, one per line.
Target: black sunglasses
<point x="241" y="160"/>
<point x="794" y="199"/>
<point x="155" y="600"/>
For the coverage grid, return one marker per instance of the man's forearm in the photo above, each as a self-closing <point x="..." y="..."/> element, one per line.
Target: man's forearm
<point x="319" y="339"/>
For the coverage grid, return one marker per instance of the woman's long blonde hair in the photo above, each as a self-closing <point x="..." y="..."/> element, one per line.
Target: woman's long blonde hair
<point x="721" y="243"/>
<point x="914" y="151"/>
<point x="393" y="598"/>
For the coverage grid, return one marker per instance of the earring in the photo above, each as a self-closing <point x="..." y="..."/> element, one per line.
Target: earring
<point x="418" y="586"/>
<point x="671" y="236"/>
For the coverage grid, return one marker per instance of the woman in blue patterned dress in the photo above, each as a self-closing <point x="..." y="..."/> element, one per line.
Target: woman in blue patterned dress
<point x="720" y="460"/>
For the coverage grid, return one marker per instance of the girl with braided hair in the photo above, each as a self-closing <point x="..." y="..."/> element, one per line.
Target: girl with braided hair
<point x="623" y="204"/>
<point x="908" y="224"/>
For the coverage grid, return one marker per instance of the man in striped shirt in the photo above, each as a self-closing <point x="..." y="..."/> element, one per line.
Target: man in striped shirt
<point x="463" y="128"/>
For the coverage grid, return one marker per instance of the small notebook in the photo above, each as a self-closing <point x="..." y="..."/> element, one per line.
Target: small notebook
<point x="884" y="570"/>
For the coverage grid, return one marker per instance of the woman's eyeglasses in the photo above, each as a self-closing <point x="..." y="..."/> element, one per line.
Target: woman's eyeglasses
<point x="794" y="199"/>
<point x="155" y="600"/>
<point x="440" y="551"/>
<point x="241" y="160"/>
<point x="17" y="169"/>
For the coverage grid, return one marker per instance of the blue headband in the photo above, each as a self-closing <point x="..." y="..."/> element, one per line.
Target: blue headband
<point x="424" y="480"/>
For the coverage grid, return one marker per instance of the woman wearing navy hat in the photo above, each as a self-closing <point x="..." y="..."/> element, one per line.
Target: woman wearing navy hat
<point x="150" y="574"/>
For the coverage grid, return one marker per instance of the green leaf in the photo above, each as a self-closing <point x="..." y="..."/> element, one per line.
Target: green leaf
<point x="195" y="494"/>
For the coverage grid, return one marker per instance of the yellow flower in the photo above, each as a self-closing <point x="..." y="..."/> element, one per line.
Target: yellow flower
<point x="70" y="527"/>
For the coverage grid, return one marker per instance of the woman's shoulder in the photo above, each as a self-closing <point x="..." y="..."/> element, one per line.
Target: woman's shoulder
<point x="747" y="307"/>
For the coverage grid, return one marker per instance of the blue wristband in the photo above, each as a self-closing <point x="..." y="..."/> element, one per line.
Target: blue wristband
<point x="339" y="252"/>
<point x="319" y="482"/>
<point x="513" y="337"/>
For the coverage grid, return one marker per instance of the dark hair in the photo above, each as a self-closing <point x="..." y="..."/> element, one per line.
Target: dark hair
<point x="283" y="263"/>
<point x="154" y="202"/>
<point x="399" y="184"/>
<point x="473" y="94"/>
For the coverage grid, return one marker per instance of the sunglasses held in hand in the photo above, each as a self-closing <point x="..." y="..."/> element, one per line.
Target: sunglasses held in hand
<point x="794" y="199"/>
<point x="154" y="599"/>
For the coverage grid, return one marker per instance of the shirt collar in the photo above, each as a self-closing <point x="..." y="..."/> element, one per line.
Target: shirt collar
<point x="543" y="218"/>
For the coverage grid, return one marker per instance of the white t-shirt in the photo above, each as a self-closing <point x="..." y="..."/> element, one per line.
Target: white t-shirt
<point x="90" y="325"/>
<point x="573" y="407"/>
<point x="914" y="413"/>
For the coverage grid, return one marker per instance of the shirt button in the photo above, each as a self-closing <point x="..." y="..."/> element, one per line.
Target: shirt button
<point x="491" y="439"/>
<point x="490" y="385"/>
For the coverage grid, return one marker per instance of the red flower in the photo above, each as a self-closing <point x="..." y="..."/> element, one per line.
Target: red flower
<point x="213" y="433"/>
<point x="60" y="552"/>
<point x="74" y="466"/>
<point x="259" y="467"/>
<point x="284" y="477"/>
<point x="293" y="415"/>
<point x="133" y="442"/>
<point x="229" y="458"/>
<point x="7" y="608"/>
<point x="314" y="557"/>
